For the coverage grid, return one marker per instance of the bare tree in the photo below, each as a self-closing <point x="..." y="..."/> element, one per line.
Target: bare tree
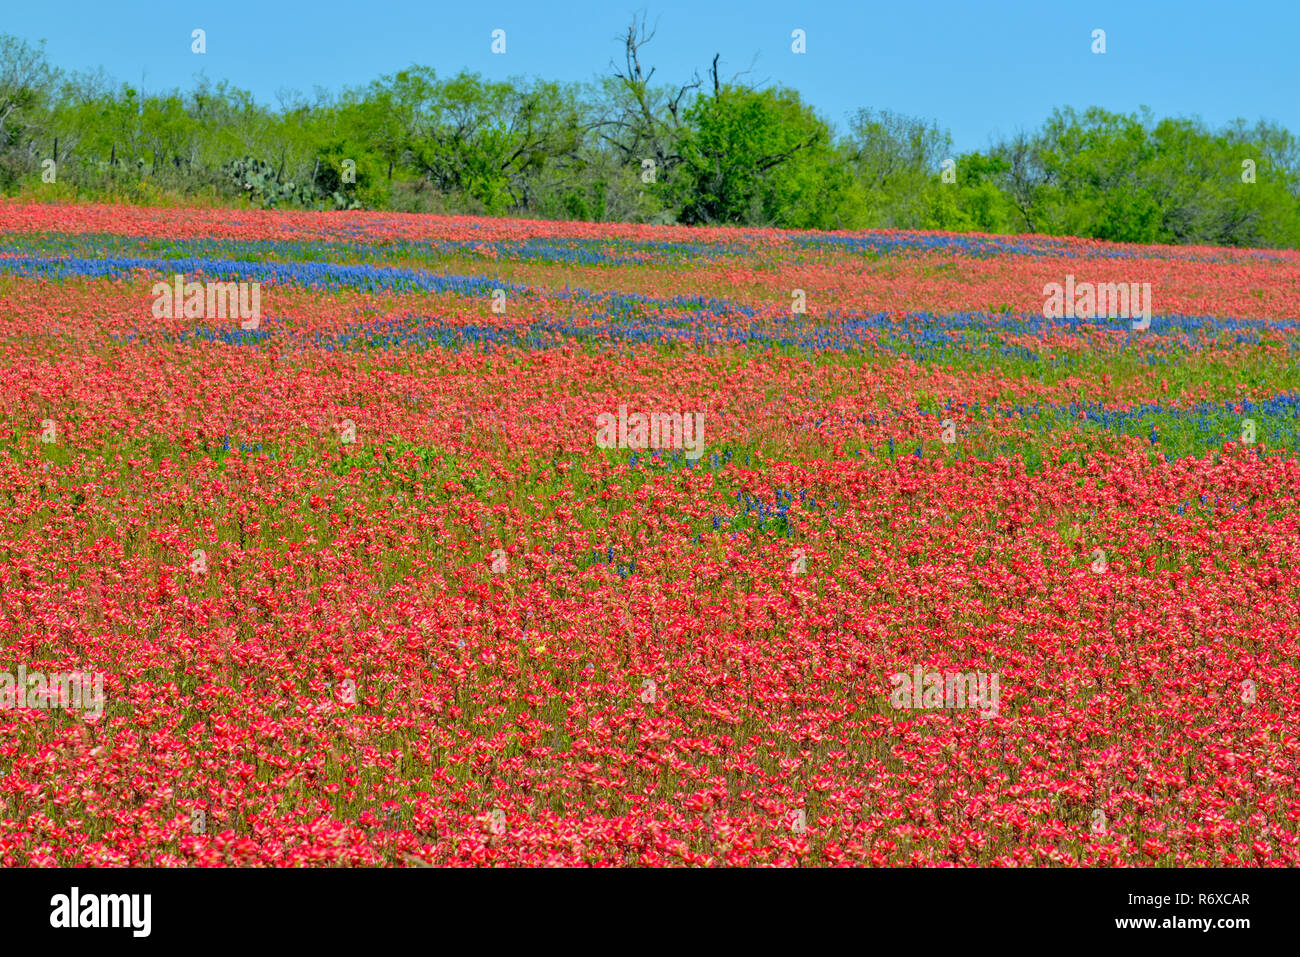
<point x="1024" y="176"/>
<point x="643" y="122"/>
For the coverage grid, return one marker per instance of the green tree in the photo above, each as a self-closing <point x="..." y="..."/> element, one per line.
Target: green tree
<point x="893" y="159"/>
<point x="758" y="158"/>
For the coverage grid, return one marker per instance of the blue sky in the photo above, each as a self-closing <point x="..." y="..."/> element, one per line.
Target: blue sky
<point x="981" y="71"/>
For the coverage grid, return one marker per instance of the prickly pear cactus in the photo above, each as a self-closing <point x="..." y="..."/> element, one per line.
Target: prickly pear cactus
<point x="258" y="181"/>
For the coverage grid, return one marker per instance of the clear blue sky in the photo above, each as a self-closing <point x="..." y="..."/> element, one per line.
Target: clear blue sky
<point x="980" y="70"/>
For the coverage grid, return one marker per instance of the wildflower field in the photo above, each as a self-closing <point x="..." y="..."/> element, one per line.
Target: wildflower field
<point x="366" y="586"/>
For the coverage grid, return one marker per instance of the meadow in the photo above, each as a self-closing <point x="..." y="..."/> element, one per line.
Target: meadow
<point x="365" y="589"/>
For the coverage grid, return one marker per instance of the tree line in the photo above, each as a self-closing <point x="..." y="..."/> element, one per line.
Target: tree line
<point x="623" y="148"/>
